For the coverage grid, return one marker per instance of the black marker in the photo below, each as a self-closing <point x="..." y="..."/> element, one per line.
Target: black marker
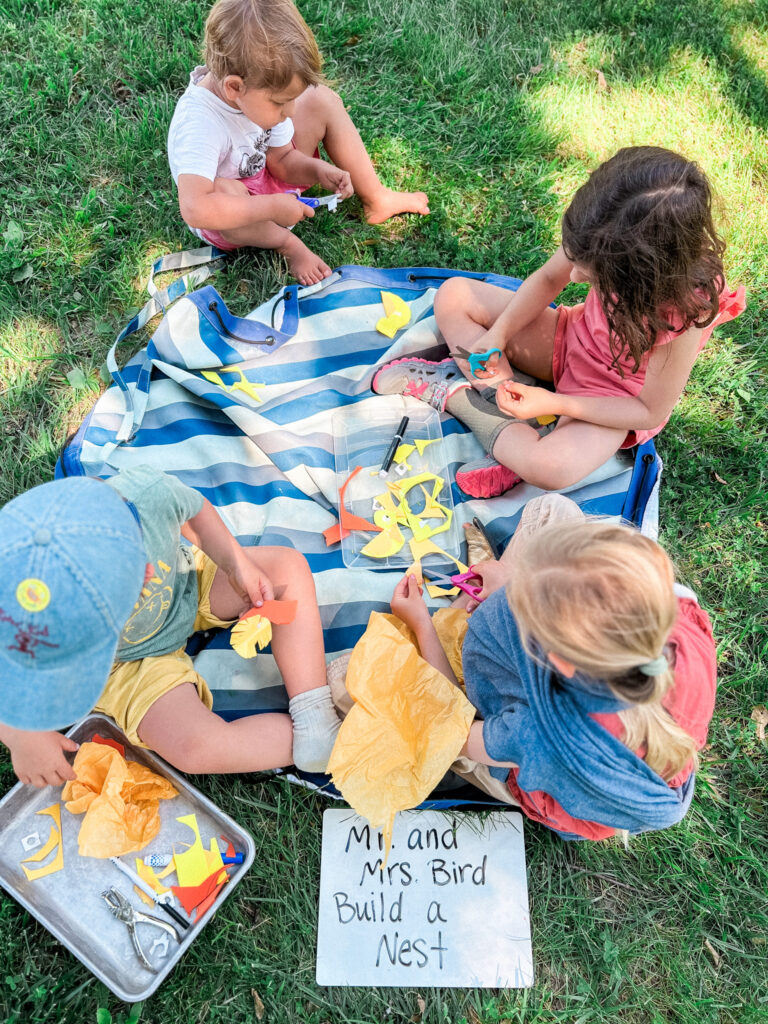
<point x="397" y="440"/>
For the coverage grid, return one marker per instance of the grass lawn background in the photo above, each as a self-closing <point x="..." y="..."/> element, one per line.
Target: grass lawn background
<point x="497" y="110"/>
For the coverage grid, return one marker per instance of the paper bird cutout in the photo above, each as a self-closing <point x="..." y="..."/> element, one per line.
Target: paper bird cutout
<point x="398" y="314"/>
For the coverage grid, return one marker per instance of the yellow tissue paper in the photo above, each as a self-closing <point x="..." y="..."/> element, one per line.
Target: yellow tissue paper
<point x="405" y="729"/>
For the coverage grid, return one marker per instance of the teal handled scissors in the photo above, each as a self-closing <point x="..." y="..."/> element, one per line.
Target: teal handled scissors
<point x="478" y="361"/>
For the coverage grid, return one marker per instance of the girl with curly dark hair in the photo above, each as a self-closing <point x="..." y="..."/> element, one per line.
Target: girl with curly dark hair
<point x="640" y="231"/>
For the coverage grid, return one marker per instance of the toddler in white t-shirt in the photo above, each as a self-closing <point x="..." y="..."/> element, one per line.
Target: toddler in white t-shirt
<point x="247" y="130"/>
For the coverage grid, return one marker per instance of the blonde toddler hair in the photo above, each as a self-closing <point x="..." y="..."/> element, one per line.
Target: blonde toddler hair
<point x="265" y="42"/>
<point x="600" y="595"/>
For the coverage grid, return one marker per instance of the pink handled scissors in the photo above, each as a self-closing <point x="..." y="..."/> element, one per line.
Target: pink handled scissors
<point x="460" y="580"/>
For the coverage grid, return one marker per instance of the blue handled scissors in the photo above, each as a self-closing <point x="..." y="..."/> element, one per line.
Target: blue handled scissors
<point x="460" y="580"/>
<point x="331" y="202"/>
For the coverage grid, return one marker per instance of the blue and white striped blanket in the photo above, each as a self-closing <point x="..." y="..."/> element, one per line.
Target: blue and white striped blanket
<point x="268" y="466"/>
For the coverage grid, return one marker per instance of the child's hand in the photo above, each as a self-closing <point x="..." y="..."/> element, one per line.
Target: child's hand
<point x="525" y="402"/>
<point x="38" y="757"/>
<point x="253" y="585"/>
<point x="286" y="210"/>
<point x="408" y="603"/>
<point x="494" y="575"/>
<point x="334" y="179"/>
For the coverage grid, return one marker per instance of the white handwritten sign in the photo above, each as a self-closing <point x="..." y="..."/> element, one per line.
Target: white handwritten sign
<point x="450" y="906"/>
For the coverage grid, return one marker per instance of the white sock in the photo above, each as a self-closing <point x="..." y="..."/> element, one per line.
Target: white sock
<point x="315" y="727"/>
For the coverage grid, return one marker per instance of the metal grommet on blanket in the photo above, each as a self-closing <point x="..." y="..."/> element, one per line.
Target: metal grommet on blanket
<point x="411" y="278"/>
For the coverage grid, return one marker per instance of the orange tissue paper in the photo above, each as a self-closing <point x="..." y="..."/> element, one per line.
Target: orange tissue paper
<point x="120" y="800"/>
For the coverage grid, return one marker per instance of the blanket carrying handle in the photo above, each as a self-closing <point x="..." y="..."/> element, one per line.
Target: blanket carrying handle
<point x="207" y="260"/>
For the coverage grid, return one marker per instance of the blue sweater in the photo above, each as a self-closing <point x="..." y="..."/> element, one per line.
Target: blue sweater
<point x="542" y="723"/>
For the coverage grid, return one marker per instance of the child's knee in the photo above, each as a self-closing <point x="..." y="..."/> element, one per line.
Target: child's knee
<point x="452" y="295"/>
<point x="322" y="100"/>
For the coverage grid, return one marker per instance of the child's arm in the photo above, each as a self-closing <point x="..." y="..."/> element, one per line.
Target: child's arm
<point x="669" y="367"/>
<point x="290" y="164"/>
<point x="38" y="757"/>
<point x="408" y="605"/>
<point x="208" y="532"/>
<point x="202" y="205"/>
<point x="534" y="295"/>
<point x="474" y="748"/>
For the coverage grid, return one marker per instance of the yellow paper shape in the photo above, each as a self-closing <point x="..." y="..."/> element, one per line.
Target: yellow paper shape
<point x="405" y="729"/>
<point x="422" y="444"/>
<point x="196" y="864"/>
<point x="241" y="384"/>
<point x="398" y="314"/>
<point x="54" y="840"/>
<point x="386" y="543"/>
<point x="402" y="453"/>
<point x="149" y="876"/>
<point x="250" y="635"/>
<point x="421" y="548"/>
<point x="120" y="799"/>
<point x="388" y="505"/>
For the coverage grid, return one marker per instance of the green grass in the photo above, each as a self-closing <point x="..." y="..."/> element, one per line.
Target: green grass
<point x="494" y="108"/>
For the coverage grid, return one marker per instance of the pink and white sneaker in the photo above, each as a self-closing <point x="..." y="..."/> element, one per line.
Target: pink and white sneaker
<point x="432" y="383"/>
<point x="486" y="478"/>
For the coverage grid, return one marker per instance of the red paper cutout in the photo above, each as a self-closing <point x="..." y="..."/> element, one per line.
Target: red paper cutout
<point x="281" y="613"/>
<point x="192" y="896"/>
<point x="347" y="521"/>
<point x="105" y="741"/>
<point x="206" y="904"/>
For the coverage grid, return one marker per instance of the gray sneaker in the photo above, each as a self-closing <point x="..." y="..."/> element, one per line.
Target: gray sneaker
<point x="432" y="383"/>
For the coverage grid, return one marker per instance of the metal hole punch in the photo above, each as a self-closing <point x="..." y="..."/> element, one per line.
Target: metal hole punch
<point x="120" y="908"/>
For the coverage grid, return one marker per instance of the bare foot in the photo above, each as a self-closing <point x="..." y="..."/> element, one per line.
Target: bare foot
<point x="305" y="265"/>
<point x="387" y="203"/>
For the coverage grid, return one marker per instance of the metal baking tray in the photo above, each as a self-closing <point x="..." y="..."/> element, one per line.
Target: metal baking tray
<point x="69" y="904"/>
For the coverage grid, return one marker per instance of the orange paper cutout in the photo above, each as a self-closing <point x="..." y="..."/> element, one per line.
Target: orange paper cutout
<point x="279" y="613"/>
<point x="347" y="521"/>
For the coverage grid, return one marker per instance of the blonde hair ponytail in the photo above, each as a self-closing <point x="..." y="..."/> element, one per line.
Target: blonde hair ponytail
<point x="600" y="595"/>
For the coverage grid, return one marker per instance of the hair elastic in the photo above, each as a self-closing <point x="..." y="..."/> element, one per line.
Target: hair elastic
<point x="655" y="667"/>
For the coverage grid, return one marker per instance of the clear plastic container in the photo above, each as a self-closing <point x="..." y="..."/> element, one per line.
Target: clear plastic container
<point x="362" y="438"/>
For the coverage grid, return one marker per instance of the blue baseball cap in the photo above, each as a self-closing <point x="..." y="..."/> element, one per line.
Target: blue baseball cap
<point x="71" y="570"/>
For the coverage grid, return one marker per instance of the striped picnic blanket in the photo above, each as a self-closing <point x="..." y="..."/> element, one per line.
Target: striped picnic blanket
<point x="267" y="462"/>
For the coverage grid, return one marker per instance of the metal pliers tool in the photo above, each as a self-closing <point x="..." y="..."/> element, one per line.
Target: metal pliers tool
<point x="120" y="908"/>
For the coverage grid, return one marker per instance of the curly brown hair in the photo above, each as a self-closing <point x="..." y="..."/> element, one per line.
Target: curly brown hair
<point x="642" y="225"/>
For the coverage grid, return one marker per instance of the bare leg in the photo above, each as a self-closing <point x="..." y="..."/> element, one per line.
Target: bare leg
<point x="559" y="459"/>
<point x="466" y="309"/>
<point x="305" y="265"/>
<point x="297" y="647"/>
<point x="180" y="728"/>
<point x="320" y="116"/>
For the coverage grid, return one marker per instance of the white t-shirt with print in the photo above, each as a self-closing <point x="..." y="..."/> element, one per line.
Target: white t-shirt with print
<point x="209" y="138"/>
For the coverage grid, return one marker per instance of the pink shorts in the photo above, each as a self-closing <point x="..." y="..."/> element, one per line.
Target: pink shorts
<point x="262" y="184"/>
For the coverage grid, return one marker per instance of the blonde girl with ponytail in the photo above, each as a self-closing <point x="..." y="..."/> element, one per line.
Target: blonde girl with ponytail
<point x="593" y="674"/>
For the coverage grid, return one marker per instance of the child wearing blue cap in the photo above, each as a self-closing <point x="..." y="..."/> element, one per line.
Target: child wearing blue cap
<point x="98" y="597"/>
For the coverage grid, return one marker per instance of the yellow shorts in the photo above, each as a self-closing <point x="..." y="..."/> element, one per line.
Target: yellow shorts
<point x="134" y="686"/>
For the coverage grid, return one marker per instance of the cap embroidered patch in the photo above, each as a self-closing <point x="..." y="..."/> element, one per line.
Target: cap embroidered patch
<point x="33" y="595"/>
